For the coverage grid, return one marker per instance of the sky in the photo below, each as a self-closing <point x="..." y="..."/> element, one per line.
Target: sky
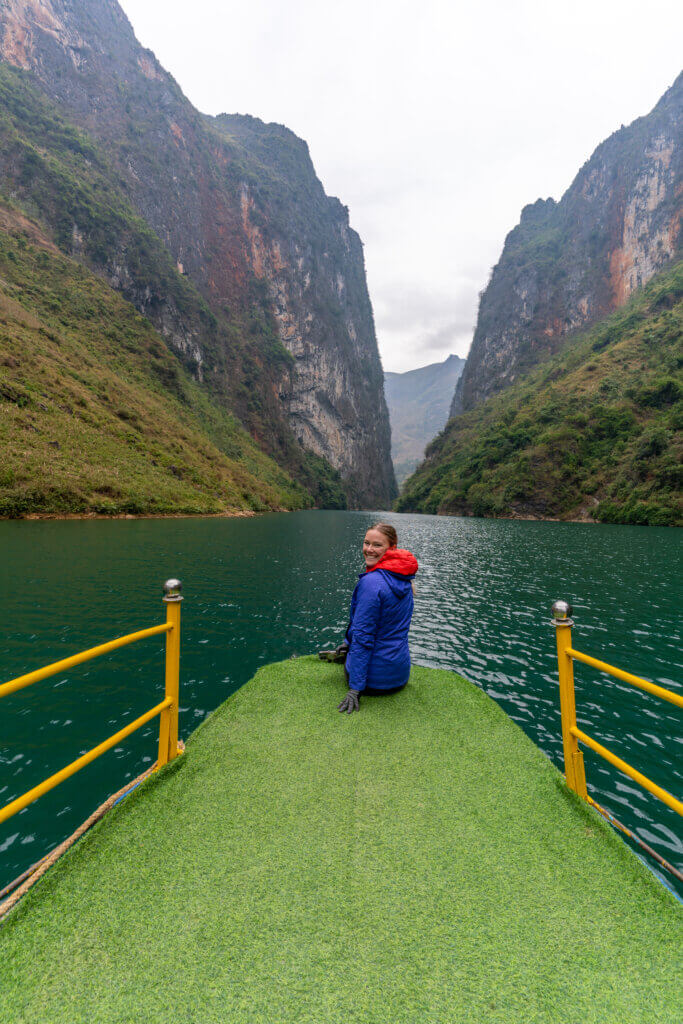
<point x="434" y="122"/>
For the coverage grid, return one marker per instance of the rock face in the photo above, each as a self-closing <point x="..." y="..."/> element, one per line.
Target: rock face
<point x="593" y="432"/>
<point x="238" y="208"/>
<point x="569" y="264"/>
<point x="418" y="402"/>
<point x="302" y="247"/>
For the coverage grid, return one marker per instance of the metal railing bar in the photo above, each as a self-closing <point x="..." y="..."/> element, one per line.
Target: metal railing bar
<point x="54" y="780"/>
<point x="642" y="780"/>
<point x="77" y="659"/>
<point x="608" y="816"/>
<point x="627" y="677"/>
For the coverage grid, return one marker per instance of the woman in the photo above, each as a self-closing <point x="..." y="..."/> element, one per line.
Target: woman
<point x="378" y="659"/>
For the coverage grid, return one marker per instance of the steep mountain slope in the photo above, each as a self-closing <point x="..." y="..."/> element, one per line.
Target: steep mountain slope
<point x="569" y="264"/>
<point x="418" y="403"/>
<point x="593" y="431"/>
<point x="241" y="215"/>
<point x="56" y="173"/>
<point x="96" y="415"/>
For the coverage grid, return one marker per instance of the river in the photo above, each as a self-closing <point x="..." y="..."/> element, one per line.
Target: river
<point x="267" y="588"/>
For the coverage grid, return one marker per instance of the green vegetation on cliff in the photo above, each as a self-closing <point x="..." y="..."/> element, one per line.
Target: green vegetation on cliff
<point x="418" y="402"/>
<point x="62" y="180"/>
<point x="57" y="175"/>
<point x="592" y="432"/>
<point x="567" y="265"/>
<point x="97" y="415"/>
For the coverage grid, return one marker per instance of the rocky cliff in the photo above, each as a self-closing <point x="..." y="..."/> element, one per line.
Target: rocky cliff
<point x="286" y="332"/>
<point x="418" y="402"/>
<point x="592" y="432"/>
<point x="569" y="264"/>
<point x="97" y="414"/>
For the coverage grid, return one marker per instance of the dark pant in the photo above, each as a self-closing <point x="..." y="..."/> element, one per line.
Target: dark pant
<point x="372" y="692"/>
<point x="381" y="693"/>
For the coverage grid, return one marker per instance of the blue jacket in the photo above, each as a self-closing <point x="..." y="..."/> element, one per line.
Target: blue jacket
<point x="381" y="610"/>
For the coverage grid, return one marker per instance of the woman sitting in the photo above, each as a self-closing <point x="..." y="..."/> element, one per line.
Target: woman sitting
<point x="378" y="659"/>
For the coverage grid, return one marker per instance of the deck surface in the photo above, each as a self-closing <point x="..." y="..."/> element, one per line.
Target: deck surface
<point x="419" y="862"/>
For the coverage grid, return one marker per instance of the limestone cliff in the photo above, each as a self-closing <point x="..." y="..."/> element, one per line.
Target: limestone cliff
<point x="592" y="432"/>
<point x="311" y="262"/>
<point x="418" y="402"/>
<point x="569" y="264"/>
<point x="244" y="220"/>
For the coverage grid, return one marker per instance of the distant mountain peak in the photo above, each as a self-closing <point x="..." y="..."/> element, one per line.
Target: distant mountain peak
<point x="418" y="402"/>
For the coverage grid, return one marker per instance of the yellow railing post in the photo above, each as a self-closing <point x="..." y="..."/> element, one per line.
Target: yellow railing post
<point x="168" y="721"/>
<point x="573" y="758"/>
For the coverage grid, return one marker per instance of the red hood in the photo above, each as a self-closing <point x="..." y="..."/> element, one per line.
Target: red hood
<point x="397" y="560"/>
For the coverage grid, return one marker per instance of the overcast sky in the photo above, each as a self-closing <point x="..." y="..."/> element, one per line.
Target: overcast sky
<point x="435" y="122"/>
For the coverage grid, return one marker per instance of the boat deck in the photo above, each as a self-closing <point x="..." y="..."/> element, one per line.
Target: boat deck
<point x="419" y="862"/>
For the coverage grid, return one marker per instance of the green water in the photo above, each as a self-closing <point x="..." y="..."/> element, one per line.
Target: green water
<point x="259" y="590"/>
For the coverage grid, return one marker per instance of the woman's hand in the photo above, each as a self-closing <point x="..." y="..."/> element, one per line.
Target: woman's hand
<point x="350" y="703"/>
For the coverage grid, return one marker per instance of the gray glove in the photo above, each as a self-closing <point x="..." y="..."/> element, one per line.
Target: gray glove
<point x="350" y="703"/>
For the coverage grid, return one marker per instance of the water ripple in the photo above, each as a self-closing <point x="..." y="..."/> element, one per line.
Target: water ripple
<point x="264" y="589"/>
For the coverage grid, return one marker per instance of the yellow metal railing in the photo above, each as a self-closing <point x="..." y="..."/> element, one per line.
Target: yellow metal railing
<point x="572" y="735"/>
<point x="167" y="709"/>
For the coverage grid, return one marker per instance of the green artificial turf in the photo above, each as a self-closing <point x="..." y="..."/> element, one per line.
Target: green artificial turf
<point x="418" y="862"/>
